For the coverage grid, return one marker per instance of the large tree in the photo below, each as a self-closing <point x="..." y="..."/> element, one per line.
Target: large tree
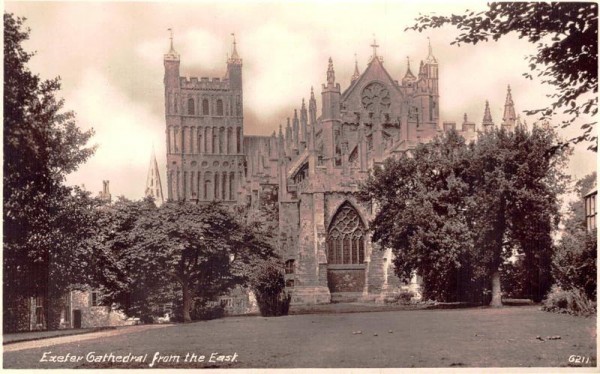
<point x="42" y="144"/>
<point x="178" y="250"/>
<point x="566" y="37"/>
<point x="455" y="212"/>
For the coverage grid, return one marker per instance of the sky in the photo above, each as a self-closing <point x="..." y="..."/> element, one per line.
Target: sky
<point x="110" y="59"/>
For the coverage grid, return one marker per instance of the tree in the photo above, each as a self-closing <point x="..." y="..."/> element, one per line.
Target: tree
<point x="423" y="201"/>
<point x="566" y="34"/>
<point x="42" y="144"/>
<point x="196" y="251"/>
<point x="574" y="262"/>
<point x="454" y="213"/>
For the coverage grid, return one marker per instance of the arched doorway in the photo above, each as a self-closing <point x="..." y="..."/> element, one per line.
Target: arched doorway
<point x="346" y="252"/>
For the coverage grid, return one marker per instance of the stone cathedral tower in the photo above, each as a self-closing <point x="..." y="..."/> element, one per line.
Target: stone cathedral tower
<point x="204" y="119"/>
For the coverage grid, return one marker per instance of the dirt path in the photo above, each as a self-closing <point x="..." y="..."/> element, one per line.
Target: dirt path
<point x="77" y="338"/>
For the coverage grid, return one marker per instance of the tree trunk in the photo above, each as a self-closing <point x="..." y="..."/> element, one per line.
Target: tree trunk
<point x="187" y="303"/>
<point x="496" y="290"/>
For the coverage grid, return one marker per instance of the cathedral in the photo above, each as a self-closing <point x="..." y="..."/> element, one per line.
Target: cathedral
<point x="310" y="170"/>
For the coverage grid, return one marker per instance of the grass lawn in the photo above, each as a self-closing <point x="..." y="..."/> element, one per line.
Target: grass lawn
<point x="475" y="337"/>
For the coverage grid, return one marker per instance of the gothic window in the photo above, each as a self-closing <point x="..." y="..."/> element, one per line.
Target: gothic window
<point x="376" y="98"/>
<point x="238" y="140"/>
<point x="289" y="267"/>
<point x="346" y="236"/>
<point x="191" y="106"/>
<point x="216" y="192"/>
<point x="353" y="159"/>
<point x="206" y="139"/>
<point x="199" y="143"/>
<point x="431" y="107"/>
<point x="207" y="184"/>
<point x="198" y="184"/>
<point x="224" y="186"/>
<point x="229" y="140"/>
<point x="176" y="139"/>
<point x="205" y="107"/>
<point x="221" y="139"/>
<point x="238" y="106"/>
<point x="214" y="140"/>
<point x="219" y="107"/>
<point x="232" y="186"/>
<point x="185" y="181"/>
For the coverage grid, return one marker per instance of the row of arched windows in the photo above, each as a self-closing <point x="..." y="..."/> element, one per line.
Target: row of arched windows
<point x="205" y="107"/>
<point x="207" y="186"/>
<point x="205" y="139"/>
<point x="194" y="106"/>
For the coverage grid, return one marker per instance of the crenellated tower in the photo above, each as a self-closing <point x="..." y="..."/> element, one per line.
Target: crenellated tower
<point x="204" y="131"/>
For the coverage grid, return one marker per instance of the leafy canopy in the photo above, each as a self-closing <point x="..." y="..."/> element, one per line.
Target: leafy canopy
<point x="566" y="37"/>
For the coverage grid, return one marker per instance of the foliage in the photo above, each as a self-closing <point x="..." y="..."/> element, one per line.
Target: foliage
<point x="454" y="212"/>
<point x="514" y="280"/>
<point x="203" y="311"/>
<point x="566" y="36"/>
<point x="45" y="222"/>
<point x="269" y="287"/>
<point x="178" y="251"/>
<point x="574" y="262"/>
<point x="403" y="297"/>
<point x="573" y="301"/>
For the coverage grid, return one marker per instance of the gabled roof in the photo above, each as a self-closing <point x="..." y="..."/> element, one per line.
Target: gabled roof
<point x="372" y="70"/>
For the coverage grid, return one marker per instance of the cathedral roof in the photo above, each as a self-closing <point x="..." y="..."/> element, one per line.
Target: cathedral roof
<point x="374" y="71"/>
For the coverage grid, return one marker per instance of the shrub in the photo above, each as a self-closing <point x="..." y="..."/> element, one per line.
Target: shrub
<point x="403" y="297"/>
<point x="268" y="285"/>
<point x="203" y="311"/>
<point x="574" y="262"/>
<point x="573" y="301"/>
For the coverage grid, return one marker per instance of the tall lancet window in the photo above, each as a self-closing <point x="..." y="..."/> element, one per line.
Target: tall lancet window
<point x="205" y="107"/>
<point x="346" y="237"/>
<point x="191" y="106"/>
<point x="219" y="107"/>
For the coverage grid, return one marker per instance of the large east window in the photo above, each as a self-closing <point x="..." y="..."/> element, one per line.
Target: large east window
<point x="346" y="237"/>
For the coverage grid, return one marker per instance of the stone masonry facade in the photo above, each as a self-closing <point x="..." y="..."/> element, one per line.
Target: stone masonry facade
<point x="313" y="166"/>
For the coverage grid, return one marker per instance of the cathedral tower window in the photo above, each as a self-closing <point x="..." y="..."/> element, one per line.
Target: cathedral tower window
<point x="238" y="140"/>
<point x="205" y="107"/>
<point x="224" y="186"/>
<point x="221" y="140"/>
<point x="346" y="237"/>
<point x="207" y="184"/>
<point x="206" y="140"/>
<point x="199" y="143"/>
<point x="216" y="193"/>
<point x="191" y="106"/>
<point x="232" y="186"/>
<point x="219" y="107"/>
<point x="214" y="140"/>
<point x="229" y="140"/>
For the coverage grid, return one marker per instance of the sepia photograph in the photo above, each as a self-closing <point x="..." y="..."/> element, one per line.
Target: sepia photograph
<point x="300" y="185"/>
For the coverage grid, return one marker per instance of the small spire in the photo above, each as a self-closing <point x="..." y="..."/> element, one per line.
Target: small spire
<point x="356" y="74"/>
<point x="312" y="93"/>
<point x="465" y="118"/>
<point x="172" y="52"/>
<point x="235" y="58"/>
<point x="303" y="107"/>
<point x="430" y="58"/>
<point x="487" y="116"/>
<point x="409" y="75"/>
<point x="510" y="116"/>
<point x="330" y="72"/>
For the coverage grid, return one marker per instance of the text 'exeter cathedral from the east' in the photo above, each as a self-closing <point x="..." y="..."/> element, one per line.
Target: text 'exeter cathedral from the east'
<point x="313" y="167"/>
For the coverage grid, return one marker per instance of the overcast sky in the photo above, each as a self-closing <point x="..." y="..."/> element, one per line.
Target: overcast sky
<point x="110" y="59"/>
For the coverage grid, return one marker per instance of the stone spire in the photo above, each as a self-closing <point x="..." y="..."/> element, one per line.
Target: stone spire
<point x="509" y="117"/>
<point x="295" y="129"/>
<point x="312" y="108"/>
<point x="172" y="54"/>
<point x="153" y="183"/>
<point x="303" y="123"/>
<point x="409" y="76"/>
<point x="356" y="74"/>
<point x="487" y="117"/>
<point x="330" y="73"/>
<point x="235" y="57"/>
<point x="430" y="58"/>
